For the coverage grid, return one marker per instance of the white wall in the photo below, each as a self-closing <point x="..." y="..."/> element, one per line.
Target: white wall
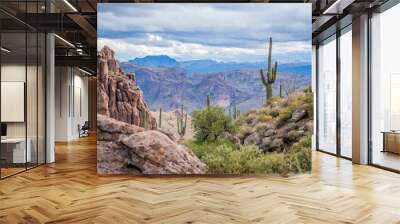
<point x="70" y="83"/>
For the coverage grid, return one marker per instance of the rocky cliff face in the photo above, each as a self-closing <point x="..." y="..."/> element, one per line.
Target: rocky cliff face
<point x="129" y="149"/>
<point x="118" y="96"/>
<point x="128" y="141"/>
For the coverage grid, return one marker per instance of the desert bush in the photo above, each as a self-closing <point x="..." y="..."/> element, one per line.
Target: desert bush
<point x="251" y="118"/>
<point x="221" y="157"/>
<point x="295" y="134"/>
<point x="274" y="99"/>
<point x="244" y="131"/>
<point x="200" y="149"/>
<point x="260" y="127"/>
<point x="308" y="89"/>
<point x="285" y="114"/>
<point x="210" y="123"/>
<point x="274" y="113"/>
<point x="269" y="163"/>
<point x="299" y="156"/>
<point x="265" y="118"/>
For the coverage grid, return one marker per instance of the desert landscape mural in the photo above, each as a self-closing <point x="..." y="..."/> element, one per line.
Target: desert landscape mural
<point x="181" y="97"/>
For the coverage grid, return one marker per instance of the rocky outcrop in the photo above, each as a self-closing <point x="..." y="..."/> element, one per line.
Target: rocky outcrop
<point x="128" y="139"/>
<point x="127" y="149"/>
<point x="288" y="121"/>
<point x="118" y="96"/>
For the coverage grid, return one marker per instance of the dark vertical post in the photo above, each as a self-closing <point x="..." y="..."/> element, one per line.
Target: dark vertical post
<point x="317" y="97"/>
<point x="0" y="93"/>
<point x="37" y="87"/>
<point x="369" y="100"/>
<point x="338" y="73"/>
<point x="26" y="86"/>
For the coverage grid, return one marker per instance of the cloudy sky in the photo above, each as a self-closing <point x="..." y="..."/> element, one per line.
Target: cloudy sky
<point x="223" y="32"/>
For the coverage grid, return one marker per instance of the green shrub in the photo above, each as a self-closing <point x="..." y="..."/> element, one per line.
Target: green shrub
<point x="285" y="114"/>
<point x="274" y="99"/>
<point x="274" y="113"/>
<point x="304" y="142"/>
<point x="300" y="160"/>
<point x="221" y="157"/>
<point x="261" y="127"/>
<point x="308" y="89"/>
<point x="251" y="118"/>
<point x="200" y="149"/>
<point x="210" y="123"/>
<point x="269" y="163"/>
<point x="265" y="118"/>
<point x="295" y="134"/>
<point x="245" y="131"/>
<point x="299" y="156"/>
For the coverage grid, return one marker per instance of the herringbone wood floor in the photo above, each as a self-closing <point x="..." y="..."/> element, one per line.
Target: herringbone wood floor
<point x="70" y="191"/>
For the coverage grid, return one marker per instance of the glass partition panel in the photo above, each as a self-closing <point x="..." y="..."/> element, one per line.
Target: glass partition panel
<point x="327" y="96"/>
<point x="14" y="153"/>
<point x="346" y="93"/>
<point x="22" y="77"/>
<point x="31" y="98"/>
<point x="385" y="89"/>
<point x="41" y="99"/>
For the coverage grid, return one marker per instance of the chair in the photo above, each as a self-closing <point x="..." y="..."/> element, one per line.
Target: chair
<point x="84" y="130"/>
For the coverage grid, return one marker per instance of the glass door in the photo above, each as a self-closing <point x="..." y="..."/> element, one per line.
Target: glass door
<point x="327" y="96"/>
<point x="346" y="92"/>
<point x="22" y="95"/>
<point x="385" y="89"/>
<point x="14" y="155"/>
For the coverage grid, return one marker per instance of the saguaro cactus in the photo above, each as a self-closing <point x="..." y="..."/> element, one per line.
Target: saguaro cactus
<point x="160" y="118"/>
<point x="208" y="101"/>
<point x="271" y="74"/>
<point x="181" y="123"/>
<point x="280" y="91"/>
<point x="235" y="112"/>
<point x="143" y="118"/>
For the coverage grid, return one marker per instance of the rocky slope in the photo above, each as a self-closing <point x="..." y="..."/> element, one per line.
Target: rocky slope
<point x="128" y="139"/>
<point x="274" y="128"/>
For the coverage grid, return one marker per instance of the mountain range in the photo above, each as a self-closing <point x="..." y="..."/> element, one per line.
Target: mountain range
<point x="168" y="83"/>
<point x="210" y="66"/>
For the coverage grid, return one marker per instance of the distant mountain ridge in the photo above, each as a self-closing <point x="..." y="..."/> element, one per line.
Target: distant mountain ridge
<point x="212" y="66"/>
<point x="171" y="87"/>
<point x="156" y="61"/>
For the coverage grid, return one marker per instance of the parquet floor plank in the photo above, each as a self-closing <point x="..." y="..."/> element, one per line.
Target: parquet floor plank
<point x="70" y="191"/>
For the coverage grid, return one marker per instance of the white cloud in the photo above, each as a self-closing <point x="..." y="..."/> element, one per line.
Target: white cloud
<point x="127" y="49"/>
<point x="225" y="32"/>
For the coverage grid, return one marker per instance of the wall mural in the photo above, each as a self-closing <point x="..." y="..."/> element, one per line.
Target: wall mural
<point x="204" y="88"/>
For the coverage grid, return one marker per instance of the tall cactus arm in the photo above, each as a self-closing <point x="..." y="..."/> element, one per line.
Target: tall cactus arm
<point x="177" y="124"/>
<point x="208" y="101"/>
<point x="184" y="129"/>
<point x="270" y="56"/>
<point x="263" y="79"/>
<point x="272" y="77"/>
